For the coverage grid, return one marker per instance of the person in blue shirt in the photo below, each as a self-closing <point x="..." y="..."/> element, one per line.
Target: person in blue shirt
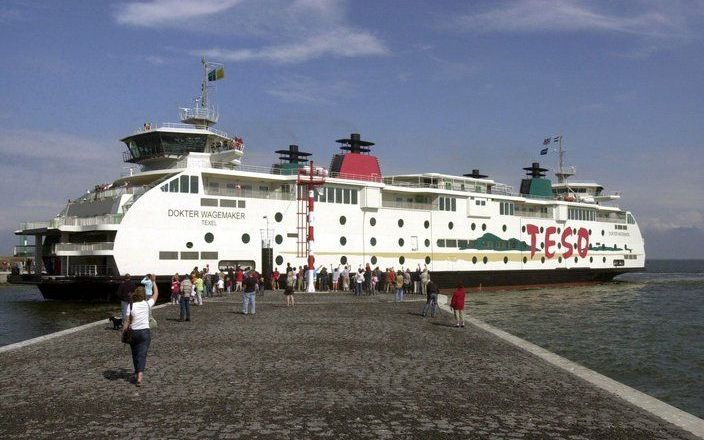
<point x="147" y="283"/>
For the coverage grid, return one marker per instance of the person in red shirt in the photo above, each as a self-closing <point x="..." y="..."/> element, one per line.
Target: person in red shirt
<point x="457" y="305"/>
<point x="239" y="277"/>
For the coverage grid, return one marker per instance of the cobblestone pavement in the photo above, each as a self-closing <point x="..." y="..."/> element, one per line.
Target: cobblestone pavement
<point x="333" y="366"/>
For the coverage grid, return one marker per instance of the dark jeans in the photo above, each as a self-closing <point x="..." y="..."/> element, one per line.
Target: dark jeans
<point x="185" y="308"/>
<point x="140" y="345"/>
<point x="431" y="304"/>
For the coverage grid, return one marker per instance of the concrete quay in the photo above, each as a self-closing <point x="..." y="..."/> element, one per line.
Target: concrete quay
<point x="333" y="366"/>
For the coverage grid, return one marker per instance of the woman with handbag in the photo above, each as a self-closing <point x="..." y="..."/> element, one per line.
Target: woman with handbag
<point x="138" y="324"/>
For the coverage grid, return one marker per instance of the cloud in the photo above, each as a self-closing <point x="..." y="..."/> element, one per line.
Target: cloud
<point x="158" y="13"/>
<point x="304" y="89"/>
<point x="653" y="19"/>
<point x="339" y="44"/>
<point x="46" y="145"/>
<point x="277" y="31"/>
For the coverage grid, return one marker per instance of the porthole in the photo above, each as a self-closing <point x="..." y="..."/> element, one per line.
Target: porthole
<point x="372" y="241"/>
<point x="343" y="219"/>
<point x="483" y="226"/>
<point x="373" y="260"/>
<point x="485" y="260"/>
<point x="602" y="232"/>
<point x="525" y="260"/>
<point x="503" y="228"/>
<point x="427" y="260"/>
<point x="559" y="245"/>
<point x="505" y="260"/>
<point x="576" y="259"/>
<point x="343" y="241"/>
<point x="189" y="245"/>
<point x="591" y="259"/>
<point x="245" y="238"/>
<point x="603" y="259"/>
<point x="541" y="229"/>
<point x="400" y="241"/>
<point x="559" y="259"/>
<point x="450" y="225"/>
<point x="279" y="239"/>
<point x="400" y="223"/>
<point x="426" y="224"/>
<point x="209" y="237"/>
<point x="427" y="243"/>
<point x="343" y="260"/>
<point x="372" y="221"/>
<point x="590" y="232"/>
<point x="401" y="260"/>
<point x="574" y="231"/>
<point x="279" y="260"/>
<point x="474" y="260"/>
<point x="278" y="217"/>
<point x="542" y="259"/>
<point x="559" y="230"/>
<point x="473" y="226"/>
<point x="523" y="229"/>
<point x="542" y="245"/>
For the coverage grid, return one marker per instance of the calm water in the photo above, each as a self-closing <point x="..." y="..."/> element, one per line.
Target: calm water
<point x="644" y="330"/>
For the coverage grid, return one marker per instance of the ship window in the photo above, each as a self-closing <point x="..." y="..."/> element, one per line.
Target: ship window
<point x="343" y="241"/>
<point x="165" y="187"/>
<point x="451" y="243"/>
<point x="442" y="203"/>
<point x="427" y="260"/>
<point x="331" y="195"/>
<point x="189" y="255"/>
<point x="322" y="193"/>
<point x="401" y="259"/>
<point x="208" y="255"/>
<point x="474" y="260"/>
<point x="240" y="203"/>
<point x="279" y="260"/>
<point x="209" y="237"/>
<point x="347" y="196"/>
<point x="426" y="224"/>
<point x="343" y="260"/>
<point x="454" y="204"/>
<point x="189" y="245"/>
<point x="441" y="243"/>
<point x="400" y="223"/>
<point x="343" y="220"/>
<point x="372" y="241"/>
<point x="450" y="225"/>
<point x="208" y="202"/>
<point x="462" y="244"/>
<point x="400" y="241"/>
<point x="184" y="183"/>
<point x="373" y="260"/>
<point x="338" y="195"/>
<point x="194" y="184"/>
<point x="475" y="226"/>
<point x="427" y="243"/>
<point x="279" y="239"/>
<point x="278" y="217"/>
<point x="167" y="255"/>
<point x="227" y="203"/>
<point x="505" y="260"/>
<point x="485" y="260"/>
<point x="245" y="238"/>
<point x="525" y="260"/>
<point x="173" y="186"/>
<point x="372" y="221"/>
<point x="354" y="196"/>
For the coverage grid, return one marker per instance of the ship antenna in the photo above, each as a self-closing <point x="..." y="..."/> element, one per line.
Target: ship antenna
<point x="204" y="84"/>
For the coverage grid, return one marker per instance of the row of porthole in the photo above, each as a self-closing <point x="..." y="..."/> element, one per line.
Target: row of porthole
<point x="485" y="260"/>
<point x="542" y="260"/>
<point x="343" y="260"/>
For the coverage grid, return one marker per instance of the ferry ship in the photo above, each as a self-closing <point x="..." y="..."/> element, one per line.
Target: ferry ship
<point x="192" y="202"/>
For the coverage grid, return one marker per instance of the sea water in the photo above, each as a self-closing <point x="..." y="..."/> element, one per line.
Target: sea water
<point x="644" y="330"/>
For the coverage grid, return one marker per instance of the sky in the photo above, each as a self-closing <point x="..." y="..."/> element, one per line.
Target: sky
<point x="444" y="86"/>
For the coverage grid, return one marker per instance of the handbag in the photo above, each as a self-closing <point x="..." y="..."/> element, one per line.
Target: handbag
<point x="127" y="333"/>
<point x="152" y="321"/>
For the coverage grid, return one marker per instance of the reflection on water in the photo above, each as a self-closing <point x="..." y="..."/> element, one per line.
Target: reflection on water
<point x="24" y="314"/>
<point x="643" y="330"/>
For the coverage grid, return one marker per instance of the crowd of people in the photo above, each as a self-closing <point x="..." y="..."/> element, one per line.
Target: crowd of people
<point x="190" y="290"/>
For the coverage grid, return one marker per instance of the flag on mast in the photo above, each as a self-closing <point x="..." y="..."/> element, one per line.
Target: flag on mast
<point x="216" y="74"/>
<point x="556" y="139"/>
<point x="544" y="151"/>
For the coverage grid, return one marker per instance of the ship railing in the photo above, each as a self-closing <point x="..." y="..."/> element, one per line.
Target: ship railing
<point x="107" y="219"/>
<point x="289" y="172"/>
<point x="110" y="193"/>
<point x="82" y="247"/>
<point x="182" y="126"/>
<point x="406" y="205"/>
<point x="610" y="219"/>
<point x="206" y="113"/>
<point x="34" y="225"/>
<point x="247" y="193"/>
<point x="89" y="270"/>
<point x="528" y="214"/>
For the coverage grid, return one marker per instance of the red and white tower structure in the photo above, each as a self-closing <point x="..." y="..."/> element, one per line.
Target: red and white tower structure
<point x="309" y="178"/>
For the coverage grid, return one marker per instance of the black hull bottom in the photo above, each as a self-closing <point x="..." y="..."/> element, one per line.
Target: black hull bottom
<point x="104" y="289"/>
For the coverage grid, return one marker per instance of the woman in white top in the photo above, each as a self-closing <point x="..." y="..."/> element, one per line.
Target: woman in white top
<point x="138" y="321"/>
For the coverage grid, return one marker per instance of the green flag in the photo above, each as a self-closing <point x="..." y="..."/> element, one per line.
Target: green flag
<point x="216" y="74"/>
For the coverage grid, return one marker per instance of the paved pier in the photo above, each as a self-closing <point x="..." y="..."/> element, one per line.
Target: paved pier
<point x="333" y="366"/>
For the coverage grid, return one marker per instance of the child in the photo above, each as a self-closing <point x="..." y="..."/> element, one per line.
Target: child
<point x="457" y="305"/>
<point x="175" y="289"/>
<point x="288" y="293"/>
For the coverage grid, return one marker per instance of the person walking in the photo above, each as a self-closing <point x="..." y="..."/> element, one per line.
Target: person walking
<point x="291" y="279"/>
<point x="249" y="295"/>
<point x="275" y="279"/>
<point x="416" y="280"/>
<point x="185" y="301"/>
<point x="198" y="301"/>
<point x="431" y="301"/>
<point x="457" y="305"/>
<point x="208" y="281"/>
<point x="288" y="294"/>
<point x="138" y="321"/>
<point x="124" y="292"/>
<point x="424" y="278"/>
<point x="399" y="286"/>
<point x="239" y="278"/>
<point x="358" y="282"/>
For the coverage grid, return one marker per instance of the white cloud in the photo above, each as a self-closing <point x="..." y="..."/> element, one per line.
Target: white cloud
<point x="286" y="31"/>
<point x="653" y="19"/>
<point x="157" y="13"/>
<point x="47" y="146"/>
<point x="304" y="89"/>
<point x="341" y="43"/>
